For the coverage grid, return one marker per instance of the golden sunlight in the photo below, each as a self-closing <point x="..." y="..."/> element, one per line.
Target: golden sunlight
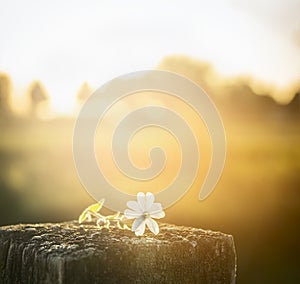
<point x="147" y="138"/>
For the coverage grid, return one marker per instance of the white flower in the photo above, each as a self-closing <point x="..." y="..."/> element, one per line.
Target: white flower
<point x="143" y="211"/>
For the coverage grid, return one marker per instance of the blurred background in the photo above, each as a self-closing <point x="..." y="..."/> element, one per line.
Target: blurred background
<point x="245" y="55"/>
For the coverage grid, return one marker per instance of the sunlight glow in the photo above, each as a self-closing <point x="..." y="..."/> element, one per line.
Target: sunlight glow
<point x="63" y="44"/>
<point x="63" y="104"/>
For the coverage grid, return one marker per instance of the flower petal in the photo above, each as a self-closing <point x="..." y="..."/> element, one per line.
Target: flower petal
<point x="134" y="206"/>
<point x="129" y="214"/>
<point x="156" y="207"/>
<point x="141" y="201"/>
<point x="149" y="199"/>
<point x="141" y="229"/>
<point x="152" y="225"/>
<point x="158" y="214"/>
<point x="137" y="222"/>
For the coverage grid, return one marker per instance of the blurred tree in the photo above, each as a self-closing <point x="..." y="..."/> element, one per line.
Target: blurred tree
<point x="200" y="72"/>
<point x="5" y="93"/>
<point x="37" y="94"/>
<point x="84" y="92"/>
<point x="294" y="105"/>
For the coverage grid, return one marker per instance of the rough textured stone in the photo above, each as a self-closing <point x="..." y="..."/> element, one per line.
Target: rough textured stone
<point x="72" y="253"/>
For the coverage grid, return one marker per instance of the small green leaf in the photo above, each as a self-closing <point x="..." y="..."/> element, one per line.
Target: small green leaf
<point x="96" y="207"/>
<point x="92" y="208"/>
<point x="82" y="216"/>
<point x="114" y="216"/>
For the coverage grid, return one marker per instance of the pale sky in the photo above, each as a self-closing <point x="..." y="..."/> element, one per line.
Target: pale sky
<point x="64" y="43"/>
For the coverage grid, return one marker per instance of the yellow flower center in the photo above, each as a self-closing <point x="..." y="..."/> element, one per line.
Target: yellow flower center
<point x="146" y="215"/>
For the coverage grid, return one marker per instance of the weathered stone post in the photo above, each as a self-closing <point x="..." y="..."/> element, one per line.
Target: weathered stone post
<point x="72" y="253"/>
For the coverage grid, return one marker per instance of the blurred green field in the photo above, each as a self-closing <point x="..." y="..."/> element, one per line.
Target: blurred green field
<point x="257" y="199"/>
